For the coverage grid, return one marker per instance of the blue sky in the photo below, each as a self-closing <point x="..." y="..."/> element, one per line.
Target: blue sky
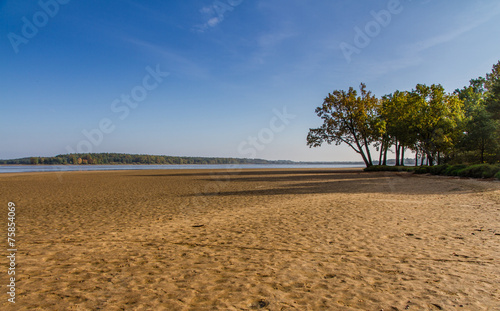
<point x="234" y="68"/>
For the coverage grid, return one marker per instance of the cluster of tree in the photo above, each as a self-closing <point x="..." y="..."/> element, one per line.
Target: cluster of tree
<point x="120" y="158"/>
<point x="460" y="127"/>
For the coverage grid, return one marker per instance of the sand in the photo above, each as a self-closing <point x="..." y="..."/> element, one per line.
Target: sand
<point x="252" y="239"/>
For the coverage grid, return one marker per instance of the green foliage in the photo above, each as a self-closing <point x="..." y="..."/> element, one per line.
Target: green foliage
<point x="422" y="169"/>
<point x="438" y="169"/>
<point x="463" y="127"/>
<point x="384" y="168"/>
<point x="348" y="118"/>
<point x="119" y="158"/>
<point x="436" y="120"/>
<point x="480" y="171"/>
<point x="454" y="170"/>
<point x="462" y="170"/>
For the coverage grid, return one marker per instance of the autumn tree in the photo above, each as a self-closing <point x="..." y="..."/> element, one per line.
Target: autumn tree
<point x="348" y="118"/>
<point x="437" y="119"/>
<point x="399" y="114"/>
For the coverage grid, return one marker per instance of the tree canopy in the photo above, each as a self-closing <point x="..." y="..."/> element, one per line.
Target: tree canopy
<point x="348" y="118"/>
<point x="463" y="126"/>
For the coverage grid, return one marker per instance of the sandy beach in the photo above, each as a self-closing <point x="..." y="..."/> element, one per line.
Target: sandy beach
<point x="296" y="239"/>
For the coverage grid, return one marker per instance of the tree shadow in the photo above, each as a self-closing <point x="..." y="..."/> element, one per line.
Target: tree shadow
<point x="276" y="182"/>
<point x="250" y="172"/>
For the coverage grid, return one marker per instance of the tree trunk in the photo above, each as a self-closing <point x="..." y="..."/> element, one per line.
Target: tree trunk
<point x="385" y="154"/>
<point x="430" y="160"/>
<point x="368" y="154"/>
<point x="416" y="159"/>
<point x="397" y="153"/>
<point x="367" y="164"/>
<point x="403" y="156"/>
<point x="360" y="151"/>
<point x="482" y="151"/>
<point x="422" y="160"/>
<point x="382" y="146"/>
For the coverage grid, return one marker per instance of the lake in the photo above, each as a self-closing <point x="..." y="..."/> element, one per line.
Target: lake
<point x="69" y="168"/>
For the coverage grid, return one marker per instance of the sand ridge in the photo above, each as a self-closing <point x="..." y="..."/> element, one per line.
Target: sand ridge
<point x="254" y="239"/>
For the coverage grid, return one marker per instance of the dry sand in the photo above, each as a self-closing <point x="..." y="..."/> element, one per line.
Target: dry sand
<point x="254" y="239"/>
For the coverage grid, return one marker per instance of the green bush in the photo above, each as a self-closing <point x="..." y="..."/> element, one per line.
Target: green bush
<point x="438" y="169"/>
<point x="480" y="171"/>
<point x="454" y="170"/>
<point x="422" y="170"/>
<point x="463" y="170"/>
<point x="384" y="168"/>
<point x="490" y="171"/>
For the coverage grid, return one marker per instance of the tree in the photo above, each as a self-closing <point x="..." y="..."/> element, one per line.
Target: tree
<point x="437" y="116"/>
<point x="399" y="115"/>
<point x="491" y="77"/>
<point x="480" y="130"/>
<point x="493" y="99"/>
<point x="481" y="133"/>
<point x="350" y="119"/>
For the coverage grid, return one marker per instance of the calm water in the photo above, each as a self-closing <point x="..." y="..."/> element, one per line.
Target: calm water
<point x="67" y="168"/>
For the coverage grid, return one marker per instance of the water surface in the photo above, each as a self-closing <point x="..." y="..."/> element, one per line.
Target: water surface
<point x="69" y="168"/>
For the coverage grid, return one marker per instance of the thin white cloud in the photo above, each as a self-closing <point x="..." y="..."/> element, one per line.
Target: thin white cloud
<point x="451" y="35"/>
<point x="410" y="53"/>
<point x="214" y="21"/>
<point x="178" y="63"/>
<point x="207" y="10"/>
<point x="268" y="44"/>
<point x="272" y="39"/>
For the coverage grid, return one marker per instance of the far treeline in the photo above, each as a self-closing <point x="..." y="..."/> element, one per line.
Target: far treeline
<point x="462" y="127"/>
<point x="121" y="158"/>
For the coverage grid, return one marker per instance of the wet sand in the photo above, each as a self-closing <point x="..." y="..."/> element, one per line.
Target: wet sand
<point x="252" y="239"/>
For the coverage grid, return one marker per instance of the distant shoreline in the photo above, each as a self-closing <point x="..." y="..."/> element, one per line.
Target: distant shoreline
<point x="6" y="169"/>
<point x="84" y="159"/>
<point x="150" y="164"/>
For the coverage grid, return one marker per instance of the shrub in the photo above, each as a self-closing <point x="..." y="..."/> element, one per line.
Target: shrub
<point x="422" y="170"/>
<point x="480" y="171"/>
<point x="454" y="170"/>
<point x="471" y="171"/>
<point x="490" y="171"/>
<point x="384" y="168"/>
<point x="474" y="171"/>
<point x="438" y="169"/>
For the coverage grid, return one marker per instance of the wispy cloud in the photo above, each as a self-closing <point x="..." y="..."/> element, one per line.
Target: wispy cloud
<point x="409" y="55"/>
<point x="451" y="35"/>
<point x="175" y="61"/>
<point x="214" y="14"/>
